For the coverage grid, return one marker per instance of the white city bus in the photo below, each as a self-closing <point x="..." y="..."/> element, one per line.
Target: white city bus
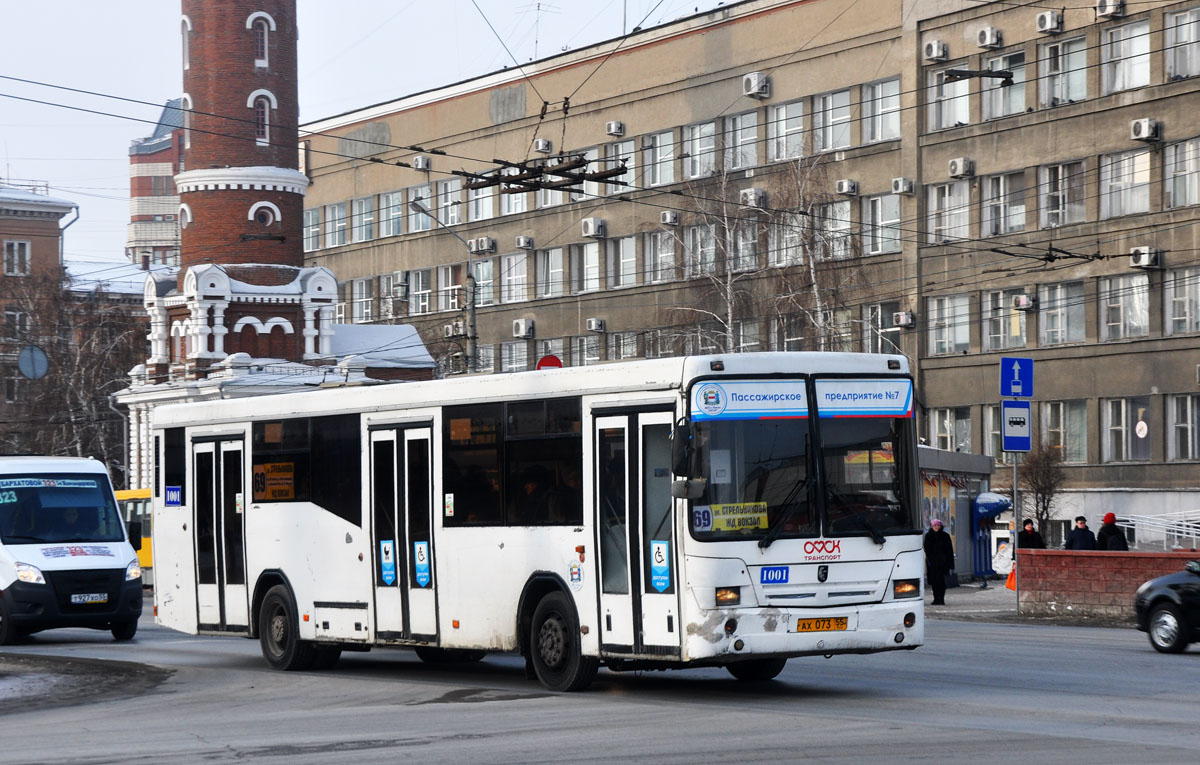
<point x="730" y="510"/>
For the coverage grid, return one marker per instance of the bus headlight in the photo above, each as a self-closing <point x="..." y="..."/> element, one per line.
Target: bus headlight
<point x="133" y="571"/>
<point x="729" y="596"/>
<point x="906" y="588"/>
<point x="30" y="574"/>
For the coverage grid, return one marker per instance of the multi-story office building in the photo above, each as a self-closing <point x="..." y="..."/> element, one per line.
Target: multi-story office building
<point x="152" y="236"/>
<point x="958" y="181"/>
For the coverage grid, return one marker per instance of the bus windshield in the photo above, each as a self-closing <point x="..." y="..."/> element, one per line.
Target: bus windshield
<point x="38" y="509"/>
<point x="865" y="475"/>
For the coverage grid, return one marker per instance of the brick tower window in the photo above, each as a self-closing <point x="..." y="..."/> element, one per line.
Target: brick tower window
<point x="261" y="41"/>
<point x="262" y="120"/>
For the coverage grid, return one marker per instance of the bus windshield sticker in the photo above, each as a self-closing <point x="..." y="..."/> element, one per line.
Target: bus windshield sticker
<point x="421" y="562"/>
<point x="274" y="481"/>
<point x="449" y="505"/>
<point x="890" y="397"/>
<point x="660" y="568"/>
<point x="387" y="562"/>
<point x="720" y="470"/>
<point x="739" y="516"/>
<point x="47" y="483"/>
<point x="702" y="519"/>
<point x="749" y="400"/>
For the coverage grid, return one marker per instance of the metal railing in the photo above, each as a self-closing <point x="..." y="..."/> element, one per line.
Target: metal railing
<point x="1180" y="529"/>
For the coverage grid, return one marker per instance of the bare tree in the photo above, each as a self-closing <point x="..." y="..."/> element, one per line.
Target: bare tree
<point x="1042" y="477"/>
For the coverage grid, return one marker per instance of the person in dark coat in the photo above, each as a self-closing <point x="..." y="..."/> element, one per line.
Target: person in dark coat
<point x="1081" y="537"/>
<point x="939" y="560"/>
<point x="1109" y="537"/>
<point x="1028" y="539"/>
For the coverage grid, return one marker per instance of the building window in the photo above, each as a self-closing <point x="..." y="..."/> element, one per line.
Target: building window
<point x="949" y="324"/>
<point x="881" y="111"/>
<point x="1064" y="72"/>
<point x="420" y="292"/>
<point x="1181" y="290"/>
<point x="312" y="229"/>
<point x="391" y="213"/>
<point x="585" y="267"/>
<point x="16" y="325"/>
<point x="785" y="131"/>
<point x="836" y="330"/>
<point x="786" y="239"/>
<point x="831" y="121"/>
<point x="1004" y="204"/>
<point x="335" y="224"/>
<point x="1181" y="184"/>
<point x="789" y="333"/>
<point x="185" y="30"/>
<point x="585" y="350"/>
<point x="1183" y="44"/>
<point x="660" y="159"/>
<point x="419" y="209"/>
<point x="950" y="429"/>
<point x="881" y="224"/>
<point x="660" y="256"/>
<point x="450" y="287"/>
<point x="1060" y="313"/>
<point x="620" y="155"/>
<point x="484" y="282"/>
<point x="1125" y="57"/>
<point x="832" y="223"/>
<point x="701" y="150"/>
<point x="1185" y="427"/>
<point x="514" y="356"/>
<point x="1063" y="191"/>
<point x="391" y="287"/>
<point x="622" y="262"/>
<point x="741" y="141"/>
<point x="743" y="247"/>
<point x="747" y="338"/>
<point x="485" y="358"/>
<point x="16" y="257"/>
<point x="700" y="247"/>
<point x="590" y="189"/>
<point x="1127" y="429"/>
<point x="622" y="345"/>
<point x="1124" y="307"/>
<point x="1003" y="326"/>
<point x="1124" y="183"/>
<point x="514" y="283"/>
<point x="450" y="202"/>
<point x="551" y="347"/>
<point x="949" y="207"/>
<point x="262" y="120"/>
<point x="993" y="425"/>
<point x="261" y="42"/>
<point x="550" y="280"/>
<point x="880" y="333"/>
<point x="1002" y="100"/>
<point x="514" y="200"/>
<point x="1065" y="429"/>
<point x="949" y="102"/>
<point x="479" y="203"/>
<point x="363" y="219"/>
<point x="362" y="295"/>
<point x="16" y="387"/>
<point x="549" y="197"/>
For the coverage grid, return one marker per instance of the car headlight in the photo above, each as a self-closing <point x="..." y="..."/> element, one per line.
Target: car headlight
<point x="133" y="571"/>
<point x="30" y="574"/>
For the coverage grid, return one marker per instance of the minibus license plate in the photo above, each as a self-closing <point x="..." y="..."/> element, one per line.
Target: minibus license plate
<point x="834" y="624"/>
<point x="89" y="597"/>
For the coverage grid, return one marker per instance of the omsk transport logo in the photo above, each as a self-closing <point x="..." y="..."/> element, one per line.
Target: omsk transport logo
<point x="711" y="399"/>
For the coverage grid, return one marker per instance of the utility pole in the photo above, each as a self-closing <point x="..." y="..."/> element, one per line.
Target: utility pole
<point x="468" y="284"/>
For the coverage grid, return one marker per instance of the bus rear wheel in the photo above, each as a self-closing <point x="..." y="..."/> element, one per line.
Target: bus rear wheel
<point x="756" y="670"/>
<point x="279" y="632"/>
<point x="558" y="658"/>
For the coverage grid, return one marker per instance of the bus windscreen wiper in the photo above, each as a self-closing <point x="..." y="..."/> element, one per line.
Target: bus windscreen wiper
<point x="789" y="504"/>
<point x="876" y="535"/>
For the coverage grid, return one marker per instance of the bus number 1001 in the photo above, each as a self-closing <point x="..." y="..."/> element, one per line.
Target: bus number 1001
<point x="773" y="575"/>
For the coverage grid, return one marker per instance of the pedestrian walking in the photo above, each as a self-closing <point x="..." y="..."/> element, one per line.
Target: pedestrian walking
<point x="1109" y="537"/>
<point x="1028" y="539"/>
<point x="939" y="560"/>
<point x="1081" y="537"/>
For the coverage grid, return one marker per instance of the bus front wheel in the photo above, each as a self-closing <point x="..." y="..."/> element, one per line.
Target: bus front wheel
<point x="125" y="630"/>
<point x="554" y="646"/>
<point x="279" y="632"/>
<point x="756" y="670"/>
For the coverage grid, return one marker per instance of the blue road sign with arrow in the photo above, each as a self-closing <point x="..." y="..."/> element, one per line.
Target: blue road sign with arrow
<point x="1016" y="377"/>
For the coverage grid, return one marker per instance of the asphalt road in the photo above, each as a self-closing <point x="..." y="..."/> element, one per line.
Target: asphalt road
<point x="977" y="691"/>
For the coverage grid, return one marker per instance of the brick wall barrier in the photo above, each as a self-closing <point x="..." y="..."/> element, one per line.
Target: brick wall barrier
<point x="1070" y="583"/>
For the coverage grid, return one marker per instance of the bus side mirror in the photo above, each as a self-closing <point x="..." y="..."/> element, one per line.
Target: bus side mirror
<point x="135" y="534"/>
<point x="681" y="447"/>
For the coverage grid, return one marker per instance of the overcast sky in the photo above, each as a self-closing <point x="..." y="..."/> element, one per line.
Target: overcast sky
<point x="353" y="53"/>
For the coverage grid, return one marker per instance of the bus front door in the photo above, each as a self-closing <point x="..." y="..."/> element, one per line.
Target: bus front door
<point x="402" y="512"/>
<point x="639" y="604"/>
<point x="222" y="599"/>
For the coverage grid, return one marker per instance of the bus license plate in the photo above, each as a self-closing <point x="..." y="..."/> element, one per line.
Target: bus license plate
<point x="89" y="597"/>
<point x="834" y="624"/>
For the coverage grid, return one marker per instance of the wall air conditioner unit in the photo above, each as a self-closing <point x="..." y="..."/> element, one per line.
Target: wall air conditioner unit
<point x="448" y="331"/>
<point x="669" y="218"/>
<point x="421" y="163"/>
<point x="595" y="325"/>
<point x="543" y="145"/>
<point x="1049" y="22"/>
<point x="961" y="167"/>
<point x="847" y="187"/>
<point x="523" y="328"/>
<point x="1110" y="9"/>
<point x="756" y="198"/>
<point x="1023" y="302"/>
<point x="1144" y="257"/>
<point x="482" y="244"/>
<point x="902" y="186"/>
<point x="936" y="50"/>
<point x="904" y="319"/>
<point x="615" y="127"/>
<point x="1146" y="129"/>
<point x="989" y="37"/>
<point x="524" y="242"/>
<point x="756" y="85"/>
<point x="592" y="227"/>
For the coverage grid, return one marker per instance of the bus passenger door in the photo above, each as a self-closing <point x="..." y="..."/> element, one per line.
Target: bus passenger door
<point x="418" y="504"/>
<point x="222" y="599"/>
<point x="639" y="603"/>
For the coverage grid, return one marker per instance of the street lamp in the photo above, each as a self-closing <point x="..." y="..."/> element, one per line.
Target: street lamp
<point x="468" y="282"/>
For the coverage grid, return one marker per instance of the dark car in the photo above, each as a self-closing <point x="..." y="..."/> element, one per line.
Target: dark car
<point x="1168" y="609"/>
